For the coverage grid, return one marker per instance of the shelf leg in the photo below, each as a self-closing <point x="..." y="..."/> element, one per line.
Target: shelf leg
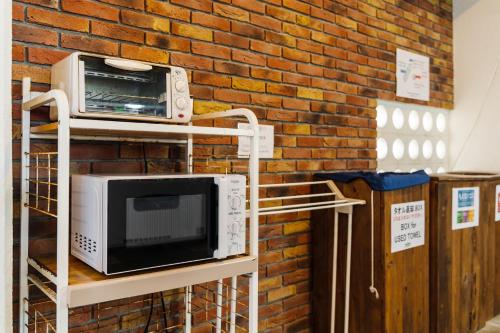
<point x="218" y="322"/>
<point x="188" y="309"/>
<point x="23" y="279"/>
<point x="234" y="286"/>
<point x="63" y="165"/>
<point x="348" y="272"/>
<point x="334" y="275"/>
<point x="253" y="308"/>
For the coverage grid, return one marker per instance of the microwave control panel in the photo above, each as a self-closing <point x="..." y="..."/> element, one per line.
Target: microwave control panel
<point x="232" y="215"/>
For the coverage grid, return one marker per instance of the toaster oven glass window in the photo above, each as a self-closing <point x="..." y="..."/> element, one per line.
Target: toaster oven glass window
<point x="112" y="90"/>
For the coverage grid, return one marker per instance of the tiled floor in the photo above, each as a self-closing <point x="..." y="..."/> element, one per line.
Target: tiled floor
<point x="493" y="326"/>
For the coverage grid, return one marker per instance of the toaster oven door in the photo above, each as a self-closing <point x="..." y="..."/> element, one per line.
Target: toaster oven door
<point x="108" y="89"/>
<point x="159" y="222"/>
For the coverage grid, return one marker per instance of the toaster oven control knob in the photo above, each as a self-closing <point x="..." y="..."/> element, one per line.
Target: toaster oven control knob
<point x="181" y="103"/>
<point x="180" y="86"/>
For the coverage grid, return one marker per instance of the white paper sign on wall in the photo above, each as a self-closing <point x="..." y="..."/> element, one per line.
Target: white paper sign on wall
<point x="497" y="203"/>
<point x="266" y="143"/>
<point x="412" y="75"/>
<point x="465" y="208"/>
<point x="407" y="225"/>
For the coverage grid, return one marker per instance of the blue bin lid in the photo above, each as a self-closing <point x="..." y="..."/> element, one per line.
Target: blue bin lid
<point x="386" y="181"/>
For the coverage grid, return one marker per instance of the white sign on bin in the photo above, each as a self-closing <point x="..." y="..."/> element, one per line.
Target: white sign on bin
<point x="266" y="141"/>
<point x="407" y="225"/>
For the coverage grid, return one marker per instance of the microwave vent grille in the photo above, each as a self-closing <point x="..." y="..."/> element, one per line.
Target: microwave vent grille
<point x="85" y="243"/>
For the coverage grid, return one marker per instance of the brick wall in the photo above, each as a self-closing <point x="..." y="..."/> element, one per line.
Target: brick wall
<point x="312" y="68"/>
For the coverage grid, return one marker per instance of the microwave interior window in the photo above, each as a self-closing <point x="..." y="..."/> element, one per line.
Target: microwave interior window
<point x="165" y="220"/>
<point x="110" y="89"/>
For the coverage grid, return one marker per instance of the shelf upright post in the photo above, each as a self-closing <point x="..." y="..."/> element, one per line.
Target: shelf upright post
<point x="24" y="234"/>
<point x="254" y="222"/>
<point x="188" y="289"/>
<point x="63" y="165"/>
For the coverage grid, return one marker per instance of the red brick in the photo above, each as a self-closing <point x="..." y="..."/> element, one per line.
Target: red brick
<point x="56" y="19"/>
<point x="247" y="30"/>
<point x="140" y="20"/>
<point x="267" y="100"/>
<point x="31" y="34"/>
<point x="231" y="40"/>
<point x="211" y="50"/>
<point x="211" y="21"/>
<point x="265" y="22"/>
<point x="45" y="56"/>
<point x="254" y="6"/>
<point x="18" y="52"/>
<point x="266" y="74"/>
<point x="169" y="42"/>
<point x="165" y="9"/>
<point x="232" y="68"/>
<point x="212" y="79"/>
<point x="264" y="47"/>
<point x="17" y="12"/>
<point x="231" y="12"/>
<point x="45" y="3"/>
<point x="297" y="5"/>
<point x="229" y="95"/>
<point x="115" y="31"/>
<point x="186" y="60"/>
<point x="136" y="4"/>
<point x="281" y="64"/>
<point x="248" y="58"/>
<point x="204" y="5"/>
<point x="90" y="8"/>
<point x="144" y="53"/>
<point x="83" y="43"/>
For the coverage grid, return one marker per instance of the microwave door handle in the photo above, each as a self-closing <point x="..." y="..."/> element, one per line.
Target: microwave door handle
<point x="128" y="65"/>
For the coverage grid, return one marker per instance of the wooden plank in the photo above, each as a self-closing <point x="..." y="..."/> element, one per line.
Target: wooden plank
<point x="87" y="286"/>
<point x="496" y="248"/>
<point x="462" y="262"/>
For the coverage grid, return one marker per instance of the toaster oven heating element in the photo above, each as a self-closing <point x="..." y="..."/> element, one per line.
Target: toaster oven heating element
<point x="117" y="76"/>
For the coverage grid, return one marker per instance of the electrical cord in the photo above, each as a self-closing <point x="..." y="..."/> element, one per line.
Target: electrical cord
<point x="150" y="313"/>
<point x="164" y="310"/>
<point x="144" y="157"/>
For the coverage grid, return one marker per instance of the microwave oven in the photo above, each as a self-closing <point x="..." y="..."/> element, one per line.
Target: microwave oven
<point x="124" y="223"/>
<point x="105" y="87"/>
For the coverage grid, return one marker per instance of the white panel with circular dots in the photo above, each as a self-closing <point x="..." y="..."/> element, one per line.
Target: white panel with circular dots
<point x="411" y="137"/>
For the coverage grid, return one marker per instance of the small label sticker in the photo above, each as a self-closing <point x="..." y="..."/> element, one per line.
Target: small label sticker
<point x="497" y="203"/>
<point x="266" y="141"/>
<point x="407" y="225"/>
<point x="465" y="208"/>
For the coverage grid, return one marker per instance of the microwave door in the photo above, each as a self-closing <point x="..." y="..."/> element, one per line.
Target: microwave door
<point x="153" y="223"/>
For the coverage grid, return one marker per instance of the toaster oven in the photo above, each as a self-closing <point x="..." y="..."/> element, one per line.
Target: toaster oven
<point x="124" y="223"/>
<point x="105" y="87"/>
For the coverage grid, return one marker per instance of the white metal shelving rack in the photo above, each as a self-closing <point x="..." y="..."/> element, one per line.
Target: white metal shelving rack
<point x="97" y="288"/>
